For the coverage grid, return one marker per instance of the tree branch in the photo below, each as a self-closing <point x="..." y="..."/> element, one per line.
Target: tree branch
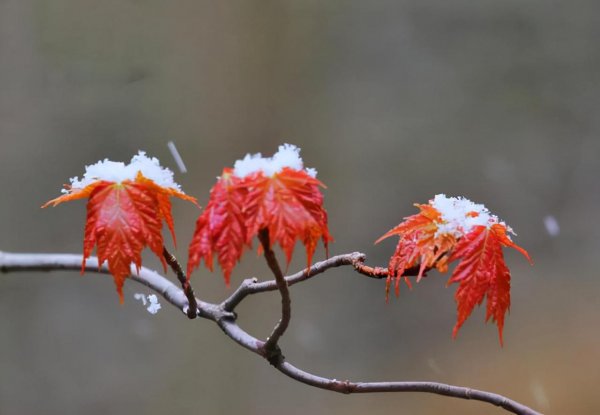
<point x="12" y="262"/>
<point x="347" y="387"/>
<point x="223" y="315"/>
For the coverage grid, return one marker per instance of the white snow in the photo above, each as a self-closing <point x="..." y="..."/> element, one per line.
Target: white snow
<point x="116" y="171"/>
<point x="552" y="226"/>
<point x="154" y="304"/>
<point x="460" y="215"/>
<point x="288" y="155"/>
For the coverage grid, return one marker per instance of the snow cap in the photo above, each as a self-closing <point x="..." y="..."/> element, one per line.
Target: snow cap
<point x="460" y="215"/>
<point x="116" y="171"/>
<point x="288" y="155"/>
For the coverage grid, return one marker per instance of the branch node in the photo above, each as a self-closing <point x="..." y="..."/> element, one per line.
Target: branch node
<point x="273" y="354"/>
<point x="344" y="387"/>
<point x="468" y="392"/>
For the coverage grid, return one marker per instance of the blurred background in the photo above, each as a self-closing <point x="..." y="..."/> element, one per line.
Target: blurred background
<point x="392" y="102"/>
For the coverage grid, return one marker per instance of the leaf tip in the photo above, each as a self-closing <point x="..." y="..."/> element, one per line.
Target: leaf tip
<point x="500" y="337"/>
<point x="455" y="330"/>
<point x="120" y="292"/>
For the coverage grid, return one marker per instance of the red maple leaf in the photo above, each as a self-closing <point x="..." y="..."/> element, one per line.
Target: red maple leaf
<point x="122" y="219"/>
<point x="482" y="272"/>
<point x="288" y="203"/>
<point x="454" y="228"/>
<point x="418" y="246"/>
<point x="220" y="228"/>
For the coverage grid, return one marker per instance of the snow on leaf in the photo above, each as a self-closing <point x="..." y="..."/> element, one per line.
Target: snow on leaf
<point x="482" y="272"/>
<point x="124" y="216"/>
<point x="220" y="228"/>
<point x="458" y="215"/>
<point x="117" y="172"/>
<point x="287" y="155"/>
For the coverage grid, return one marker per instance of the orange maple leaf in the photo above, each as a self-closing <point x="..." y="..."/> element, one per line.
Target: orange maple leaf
<point x="454" y="228"/>
<point x="418" y="245"/>
<point x="482" y="272"/>
<point x="122" y="219"/>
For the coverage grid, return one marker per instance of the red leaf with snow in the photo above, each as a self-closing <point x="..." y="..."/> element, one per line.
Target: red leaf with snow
<point x="290" y="205"/>
<point x="122" y="219"/>
<point x="454" y="228"/>
<point x="418" y="246"/>
<point x="482" y="272"/>
<point x="274" y="193"/>
<point x="220" y="229"/>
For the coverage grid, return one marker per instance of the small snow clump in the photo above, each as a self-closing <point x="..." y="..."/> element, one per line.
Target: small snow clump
<point x="460" y="215"/>
<point x="154" y="304"/>
<point x="288" y="155"/>
<point x="117" y="172"/>
<point x="552" y="226"/>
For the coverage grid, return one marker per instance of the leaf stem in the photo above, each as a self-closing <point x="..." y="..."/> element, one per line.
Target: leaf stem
<point x="270" y="348"/>
<point x="192" y="309"/>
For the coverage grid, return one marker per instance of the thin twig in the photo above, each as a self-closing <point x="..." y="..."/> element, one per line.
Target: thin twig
<point x="192" y="309"/>
<point x="356" y="259"/>
<point x="379" y="272"/>
<point x="252" y="286"/>
<point x="373" y="272"/>
<point x="11" y="262"/>
<point x="271" y="347"/>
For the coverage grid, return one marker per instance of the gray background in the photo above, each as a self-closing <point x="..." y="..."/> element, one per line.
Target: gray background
<point x="392" y="102"/>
